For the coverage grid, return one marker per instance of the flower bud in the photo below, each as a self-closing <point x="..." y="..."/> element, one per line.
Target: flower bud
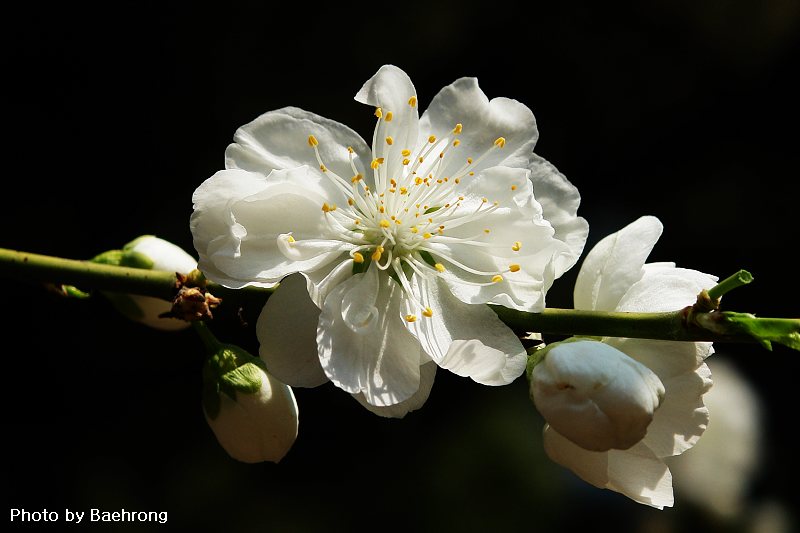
<point x="252" y="414"/>
<point x="150" y="253"/>
<point x="595" y="395"/>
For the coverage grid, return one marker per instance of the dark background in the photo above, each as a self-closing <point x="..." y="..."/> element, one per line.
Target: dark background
<point x="113" y="115"/>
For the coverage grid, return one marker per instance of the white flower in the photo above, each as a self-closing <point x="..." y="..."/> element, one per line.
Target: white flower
<point x="397" y="245"/>
<point x="718" y="471"/>
<point x="614" y="277"/>
<point x="162" y="255"/>
<point x="256" y="426"/>
<point x="595" y="395"/>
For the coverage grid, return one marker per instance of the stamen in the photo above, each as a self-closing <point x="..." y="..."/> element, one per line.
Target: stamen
<point x="458" y="129"/>
<point x="497" y="278"/>
<point x="411" y="318"/>
<point x="428" y="312"/>
<point x="378" y="112"/>
<point x="412" y="101"/>
<point x="500" y="142"/>
<point x="389" y="141"/>
<point x="389" y="116"/>
<point x="432" y="139"/>
<point x="312" y="141"/>
<point x="516" y="246"/>
<point x="358" y="258"/>
<point x="385" y="223"/>
<point x="513" y="267"/>
<point x="439" y="267"/>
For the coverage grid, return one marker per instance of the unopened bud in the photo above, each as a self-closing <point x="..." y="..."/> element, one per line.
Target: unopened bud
<point x="595" y="395"/>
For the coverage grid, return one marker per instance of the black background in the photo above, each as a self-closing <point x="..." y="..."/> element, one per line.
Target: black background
<point x="113" y="115"/>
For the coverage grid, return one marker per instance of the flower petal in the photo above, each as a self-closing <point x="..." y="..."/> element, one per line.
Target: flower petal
<point x="363" y="346"/>
<point x="427" y="373"/>
<point x="287" y="335"/>
<point x="517" y="235"/>
<point x="238" y="217"/>
<point x="468" y="340"/>
<point x="483" y="122"/>
<point x="278" y="140"/>
<point x="665" y="289"/>
<point x="682" y="417"/>
<point x="391" y="90"/>
<point x="614" y="264"/>
<point x="636" y="472"/>
<point x="559" y="200"/>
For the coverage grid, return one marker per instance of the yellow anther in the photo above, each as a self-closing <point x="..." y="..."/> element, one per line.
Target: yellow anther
<point x="412" y="101"/>
<point x="486" y="231"/>
<point x="358" y="258"/>
<point x="471" y="173"/>
<point x="406" y="161"/>
<point x="469" y="160"/>
<point x="376" y="255"/>
<point x="357" y="178"/>
<point x="414" y="229"/>
<point x="312" y="141"/>
<point x="484" y="200"/>
<point x="458" y="128"/>
<point x="357" y="221"/>
<point x="428" y="312"/>
<point x="405" y="153"/>
<point x="460" y="197"/>
<point x="456" y="142"/>
<point x="513" y="187"/>
<point x="458" y="180"/>
<point x="350" y="201"/>
<point x="378" y="112"/>
<point x="421" y="159"/>
<point x="290" y="239"/>
<point x="500" y="142"/>
<point x="382" y="209"/>
<point x="385" y="223"/>
<point x="432" y="139"/>
<point x="389" y="116"/>
<point x="513" y="267"/>
<point x="411" y="318"/>
<point x="398" y="221"/>
<point x="427" y="236"/>
<point x="326" y="207"/>
<point x="516" y="246"/>
<point x="392" y="189"/>
<point x="389" y="141"/>
<point x="497" y="278"/>
<point x="403" y="190"/>
<point x="376" y="163"/>
<point x="439" y="267"/>
<point x="495" y="203"/>
<point x="393" y="182"/>
<point x="322" y="168"/>
<point x="441" y="155"/>
<point x="350" y="150"/>
<point x="440" y="231"/>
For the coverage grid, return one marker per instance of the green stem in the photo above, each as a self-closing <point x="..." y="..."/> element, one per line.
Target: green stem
<point x="743" y="277"/>
<point x="681" y="325"/>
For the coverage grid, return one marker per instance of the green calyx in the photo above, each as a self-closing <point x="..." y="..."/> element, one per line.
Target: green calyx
<point x="229" y="370"/>
<point x="126" y="258"/>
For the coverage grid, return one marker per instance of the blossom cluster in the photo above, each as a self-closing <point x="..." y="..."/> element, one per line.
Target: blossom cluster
<point x="386" y="254"/>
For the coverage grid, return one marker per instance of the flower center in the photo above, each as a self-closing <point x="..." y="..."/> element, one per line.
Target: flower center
<point x="402" y="223"/>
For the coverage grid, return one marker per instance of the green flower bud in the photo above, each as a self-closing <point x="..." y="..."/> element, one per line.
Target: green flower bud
<point x="252" y="414"/>
<point x="151" y="253"/>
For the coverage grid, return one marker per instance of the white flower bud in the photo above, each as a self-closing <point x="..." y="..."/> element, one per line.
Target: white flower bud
<point x="256" y="426"/>
<point x="595" y="395"/>
<point x="164" y="256"/>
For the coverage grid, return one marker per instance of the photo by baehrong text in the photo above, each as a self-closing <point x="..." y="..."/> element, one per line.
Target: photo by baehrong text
<point x="91" y="515"/>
